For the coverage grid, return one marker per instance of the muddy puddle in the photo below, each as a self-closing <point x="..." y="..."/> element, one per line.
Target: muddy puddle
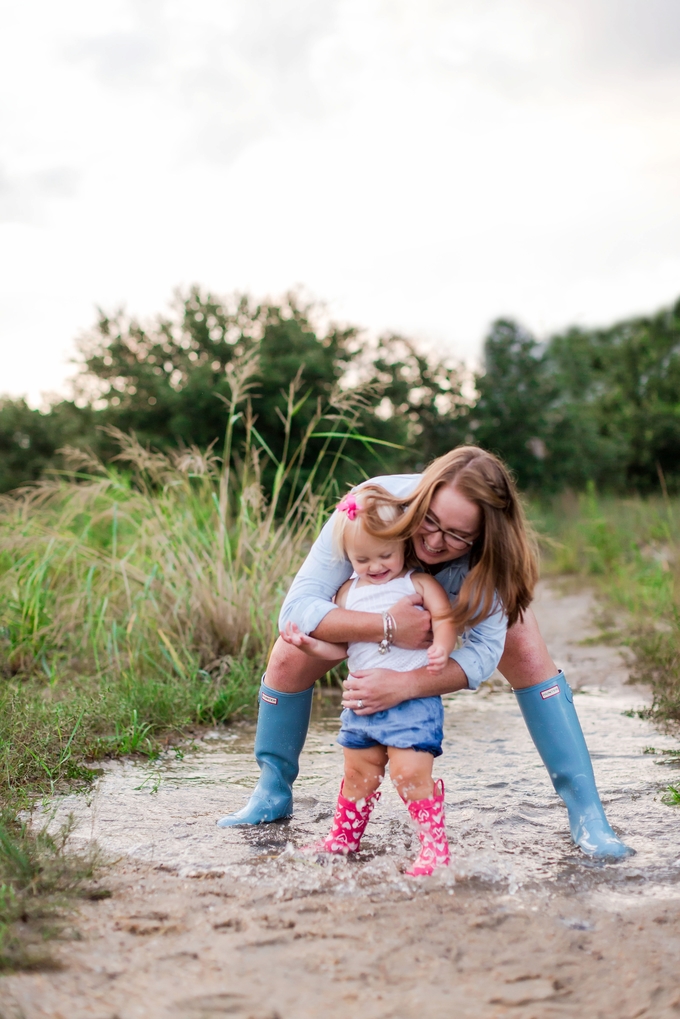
<point x="505" y="825"/>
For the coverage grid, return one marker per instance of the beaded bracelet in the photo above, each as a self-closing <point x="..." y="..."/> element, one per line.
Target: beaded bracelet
<point x="389" y="629"/>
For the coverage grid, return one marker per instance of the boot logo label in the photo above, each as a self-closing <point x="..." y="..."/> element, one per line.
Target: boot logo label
<point x="553" y="691"/>
<point x="268" y="698"/>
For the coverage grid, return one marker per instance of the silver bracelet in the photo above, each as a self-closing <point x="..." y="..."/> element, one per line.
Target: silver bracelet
<point x="389" y="629"/>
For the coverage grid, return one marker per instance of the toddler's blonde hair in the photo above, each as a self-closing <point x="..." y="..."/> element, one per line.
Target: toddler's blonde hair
<point x="369" y="508"/>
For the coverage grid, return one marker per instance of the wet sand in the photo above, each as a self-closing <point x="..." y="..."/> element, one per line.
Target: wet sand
<point x="204" y="923"/>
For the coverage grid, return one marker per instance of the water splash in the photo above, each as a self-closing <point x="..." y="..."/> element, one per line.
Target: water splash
<point x="505" y="825"/>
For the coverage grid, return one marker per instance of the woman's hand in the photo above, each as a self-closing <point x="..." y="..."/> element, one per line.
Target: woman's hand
<point x="371" y="690"/>
<point x="413" y="625"/>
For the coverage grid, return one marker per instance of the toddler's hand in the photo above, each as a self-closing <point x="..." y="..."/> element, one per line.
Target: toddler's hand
<point x="292" y="635"/>
<point x="436" y="659"/>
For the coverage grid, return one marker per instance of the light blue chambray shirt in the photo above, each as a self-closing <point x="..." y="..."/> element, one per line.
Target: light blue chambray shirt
<point x="309" y="599"/>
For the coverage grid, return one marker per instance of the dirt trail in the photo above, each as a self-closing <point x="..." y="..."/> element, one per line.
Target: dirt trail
<point x="203" y="924"/>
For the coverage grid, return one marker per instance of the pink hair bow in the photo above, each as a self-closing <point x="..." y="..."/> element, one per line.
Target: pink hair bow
<point x="350" y="506"/>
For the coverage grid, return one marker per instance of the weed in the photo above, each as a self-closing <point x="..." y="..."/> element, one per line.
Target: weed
<point x="629" y="549"/>
<point x="38" y="880"/>
<point x="152" y="783"/>
<point x="674" y="755"/>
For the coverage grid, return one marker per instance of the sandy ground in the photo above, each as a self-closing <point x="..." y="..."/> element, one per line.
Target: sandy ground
<point x="167" y="944"/>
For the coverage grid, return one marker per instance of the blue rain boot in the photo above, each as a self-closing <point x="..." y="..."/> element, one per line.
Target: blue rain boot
<point x="282" y="723"/>
<point x="551" y="718"/>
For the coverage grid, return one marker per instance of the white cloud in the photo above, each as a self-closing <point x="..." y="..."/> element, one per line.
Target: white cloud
<point x="422" y="167"/>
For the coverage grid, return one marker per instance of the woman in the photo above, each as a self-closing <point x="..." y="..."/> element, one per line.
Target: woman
<point x="466" y="523"/>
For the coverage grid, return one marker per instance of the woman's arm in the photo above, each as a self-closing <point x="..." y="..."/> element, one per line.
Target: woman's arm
<point x="411" y="624"/>
<point x="311" y="646"/>
<point x="468" y="666"/>
<point x="482" y="648"/>
<point x="310" y="598"/>
<point x="380" y="689"/>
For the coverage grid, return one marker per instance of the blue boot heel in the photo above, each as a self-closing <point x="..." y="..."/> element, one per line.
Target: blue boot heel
<point x="551" y="718"/>
<point x="282" y="723"/>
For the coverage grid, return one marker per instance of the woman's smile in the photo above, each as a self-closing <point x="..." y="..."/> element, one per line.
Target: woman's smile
<point x="427" y="554"/>
<point x="428" y="547"/>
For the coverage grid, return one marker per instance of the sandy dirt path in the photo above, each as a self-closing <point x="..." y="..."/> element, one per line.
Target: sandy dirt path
<point x="523" y="926"/>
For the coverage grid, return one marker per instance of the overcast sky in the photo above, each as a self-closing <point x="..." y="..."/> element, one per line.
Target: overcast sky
<point x="420" y="165"/>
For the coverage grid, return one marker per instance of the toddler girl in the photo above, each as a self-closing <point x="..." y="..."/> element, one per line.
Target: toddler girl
<point x="409" y="735"/>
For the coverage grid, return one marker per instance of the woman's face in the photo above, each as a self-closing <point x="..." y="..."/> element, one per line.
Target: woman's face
<point x="454" y="513"/>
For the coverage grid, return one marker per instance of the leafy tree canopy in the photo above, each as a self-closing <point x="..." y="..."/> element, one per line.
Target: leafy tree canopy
<point x="169" y="382"/>
<point x="599" y="405"/>
<point x="585" y="405"/>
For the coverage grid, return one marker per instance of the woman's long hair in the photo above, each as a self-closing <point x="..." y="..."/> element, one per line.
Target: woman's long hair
<point x="503" y="559"/>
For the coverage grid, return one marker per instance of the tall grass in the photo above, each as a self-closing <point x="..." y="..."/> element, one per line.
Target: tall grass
<point x="630" y="550"/>
<point x="141" y="597"/>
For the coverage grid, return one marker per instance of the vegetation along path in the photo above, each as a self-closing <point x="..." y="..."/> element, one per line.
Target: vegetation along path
<point x="204" y="923"/>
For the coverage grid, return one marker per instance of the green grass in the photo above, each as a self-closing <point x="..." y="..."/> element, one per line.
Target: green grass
<point x="127" y="613"/>
<point x="629" y="549"/>
<point x="140" y="598"/>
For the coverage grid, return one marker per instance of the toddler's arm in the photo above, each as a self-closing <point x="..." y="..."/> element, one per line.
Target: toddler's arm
<point x="311" y="646"/>
<point x="436" y="601"/>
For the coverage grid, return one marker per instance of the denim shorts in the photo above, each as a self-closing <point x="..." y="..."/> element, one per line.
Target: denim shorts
<point x="414" y="725"/>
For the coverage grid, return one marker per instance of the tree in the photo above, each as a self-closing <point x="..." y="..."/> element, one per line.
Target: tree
<point x="29" y="439"/>
<point x="514" y="392"/>
<point x="168" y="382"/>
<point x="620" y="387"/>
<point x="421" y="395"/>
<point x="586" y="405"/>
<point x="583" y="446"/>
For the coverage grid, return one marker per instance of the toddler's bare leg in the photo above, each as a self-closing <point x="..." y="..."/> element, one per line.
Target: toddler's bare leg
<point x="364" y="771"/>
<point x="411" y="772"/>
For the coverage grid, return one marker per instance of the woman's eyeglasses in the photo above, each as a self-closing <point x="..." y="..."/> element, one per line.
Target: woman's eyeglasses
<point x="451" y="539"/>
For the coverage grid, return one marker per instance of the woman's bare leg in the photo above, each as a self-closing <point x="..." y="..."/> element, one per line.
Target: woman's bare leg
<point x="290" y="670"/>
<point x="526" y="660"/>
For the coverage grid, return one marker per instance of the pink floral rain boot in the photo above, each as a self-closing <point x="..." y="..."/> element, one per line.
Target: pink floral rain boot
<point x="428" y="816"/>
<point x="349" y="824"/>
